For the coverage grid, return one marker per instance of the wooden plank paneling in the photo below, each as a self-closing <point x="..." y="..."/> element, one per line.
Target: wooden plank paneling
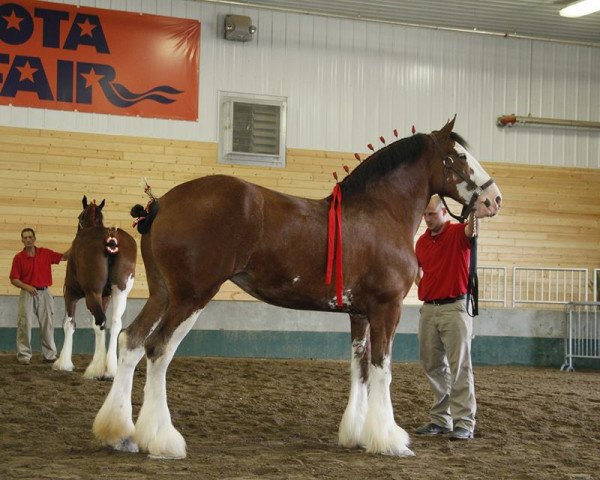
<point x="550" y="218"/>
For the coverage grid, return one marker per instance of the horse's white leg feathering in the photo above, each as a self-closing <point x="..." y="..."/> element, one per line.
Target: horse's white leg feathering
<point x="97" y="366"/>
<point x="119" y="302"/>
<point x="353" y="420"/>
<point x="381" y="434"/>
<point x="154" y="431"/>
<point x="65" y="359"/>
<point x="113" y="424"/>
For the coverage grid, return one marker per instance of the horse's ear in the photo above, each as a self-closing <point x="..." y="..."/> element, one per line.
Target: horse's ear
<point x="445" y="131"/>
<point x="101" y="206"/>
<point x="84" y="202"/>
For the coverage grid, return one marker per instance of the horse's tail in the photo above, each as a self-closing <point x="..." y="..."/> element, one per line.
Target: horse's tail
<point x="144" y="216"/>
<point x="111" y="244"/>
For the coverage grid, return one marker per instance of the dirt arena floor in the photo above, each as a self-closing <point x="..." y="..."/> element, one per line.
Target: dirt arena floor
<point x="278" y="419"/>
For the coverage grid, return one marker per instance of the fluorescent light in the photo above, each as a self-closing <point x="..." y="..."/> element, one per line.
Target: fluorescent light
<point x="579" y="9"/>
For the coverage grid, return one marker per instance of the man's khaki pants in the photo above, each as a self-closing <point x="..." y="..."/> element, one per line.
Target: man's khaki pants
<point x="41" y="308"/>
<point x="445" y="333"/>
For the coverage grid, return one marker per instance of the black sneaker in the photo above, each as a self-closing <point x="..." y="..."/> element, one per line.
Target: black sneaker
<point x="460" y="433"/>
<point x="431" y="429"/>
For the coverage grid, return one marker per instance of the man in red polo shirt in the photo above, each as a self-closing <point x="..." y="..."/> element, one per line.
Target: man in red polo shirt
<point x="445" y="328"/>
<point x="31" y="272"/>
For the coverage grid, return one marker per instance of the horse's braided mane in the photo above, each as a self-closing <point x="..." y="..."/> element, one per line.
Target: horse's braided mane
<point x="387" y="159"/>
<point x="382" y="162"/>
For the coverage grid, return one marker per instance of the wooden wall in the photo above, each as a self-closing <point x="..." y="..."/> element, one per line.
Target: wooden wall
<point x="550" y="218"/>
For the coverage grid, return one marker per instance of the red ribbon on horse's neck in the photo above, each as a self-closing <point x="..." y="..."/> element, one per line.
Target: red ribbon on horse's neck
<point x="334" y="244"/>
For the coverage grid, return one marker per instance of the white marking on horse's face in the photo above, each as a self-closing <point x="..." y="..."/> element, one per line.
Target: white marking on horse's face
<point x="479" y="176"/>
<point x="295" y="279"/>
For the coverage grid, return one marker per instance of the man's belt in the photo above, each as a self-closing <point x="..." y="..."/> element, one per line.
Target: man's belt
<point x="445" y="301"/>
<point x="41" y="288"/>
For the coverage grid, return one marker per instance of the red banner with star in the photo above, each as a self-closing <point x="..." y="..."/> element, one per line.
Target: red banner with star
<point x="64" y="57"/>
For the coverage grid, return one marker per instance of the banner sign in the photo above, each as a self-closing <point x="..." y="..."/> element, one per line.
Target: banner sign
<point x="64" y="57"/>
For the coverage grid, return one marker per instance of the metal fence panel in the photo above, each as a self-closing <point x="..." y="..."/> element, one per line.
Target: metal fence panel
<point x="492" y="284"/>
<point x="549" y="285"/>
<point x="582" y="339"/>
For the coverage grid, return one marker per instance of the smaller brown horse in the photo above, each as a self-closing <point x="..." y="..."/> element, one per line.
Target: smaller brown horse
<point x="101" y="268"/>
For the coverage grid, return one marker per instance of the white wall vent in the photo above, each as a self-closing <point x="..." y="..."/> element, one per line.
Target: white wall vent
<point x="252" y="129"/>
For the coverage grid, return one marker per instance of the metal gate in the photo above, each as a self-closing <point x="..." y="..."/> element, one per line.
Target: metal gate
<point x="582" y="338"/>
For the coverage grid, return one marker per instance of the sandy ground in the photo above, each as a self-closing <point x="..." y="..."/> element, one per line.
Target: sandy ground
<point x="278" y="419"/>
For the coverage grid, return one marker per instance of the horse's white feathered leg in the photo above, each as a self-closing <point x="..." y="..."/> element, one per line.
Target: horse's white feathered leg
<point x="114" y="422"/>
<point x="65" y="359"/>
<point x="119" y="302"/>
<point x="154" y="431"/>
<point x="353" y="420"/>
<point x="97" y="366"/>
<point x="381" y="434"/>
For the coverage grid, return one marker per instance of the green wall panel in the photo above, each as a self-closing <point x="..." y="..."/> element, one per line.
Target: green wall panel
<point x="329" y="345"/>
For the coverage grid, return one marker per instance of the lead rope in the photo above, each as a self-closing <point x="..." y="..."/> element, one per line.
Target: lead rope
<point x="473" y="282"/>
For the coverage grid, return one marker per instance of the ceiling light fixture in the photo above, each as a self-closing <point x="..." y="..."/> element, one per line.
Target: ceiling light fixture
<point x="581" y="8"/>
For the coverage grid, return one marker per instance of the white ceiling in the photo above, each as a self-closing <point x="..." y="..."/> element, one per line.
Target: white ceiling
<point x="521" y="18"/>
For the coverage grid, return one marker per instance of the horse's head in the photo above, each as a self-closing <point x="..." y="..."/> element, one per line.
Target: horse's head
<point x="91" y="216"/>
<point x="462" y="177"/>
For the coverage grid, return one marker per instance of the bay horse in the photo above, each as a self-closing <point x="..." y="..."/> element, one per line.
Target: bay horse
<point x="274" y="246"/>
<point x="101" y="268"/>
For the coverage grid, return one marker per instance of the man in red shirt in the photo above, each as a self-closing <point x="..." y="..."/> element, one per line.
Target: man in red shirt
<point x="445" y="328"/>
<point x="31" y="272"/>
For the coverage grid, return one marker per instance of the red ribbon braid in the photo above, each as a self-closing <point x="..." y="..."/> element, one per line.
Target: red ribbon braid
<point x="334" y="244"/>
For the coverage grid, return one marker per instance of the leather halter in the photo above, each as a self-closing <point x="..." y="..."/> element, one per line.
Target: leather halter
<point x="477" y="189"/>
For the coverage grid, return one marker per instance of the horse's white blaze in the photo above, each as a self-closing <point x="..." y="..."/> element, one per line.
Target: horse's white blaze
<point x="354" y="416"/>
<point x="119" y="302"/>
<point x="296" y="279"/>
<point x="97" y="366"/>
<point x="114" y="423"/>
<point x="479" y="177"/>
<point x="65" y="359"/>
<point x="380" y="432"/>
<point x="154" y="431"/>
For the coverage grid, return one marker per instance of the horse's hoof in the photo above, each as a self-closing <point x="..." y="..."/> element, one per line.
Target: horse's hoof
<point x="127" y="445"/>
<point x="58" y="365"/>
<point x="93" y="372"/>
<point x="166" y="442"/>
<point x="403" y="453"/>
